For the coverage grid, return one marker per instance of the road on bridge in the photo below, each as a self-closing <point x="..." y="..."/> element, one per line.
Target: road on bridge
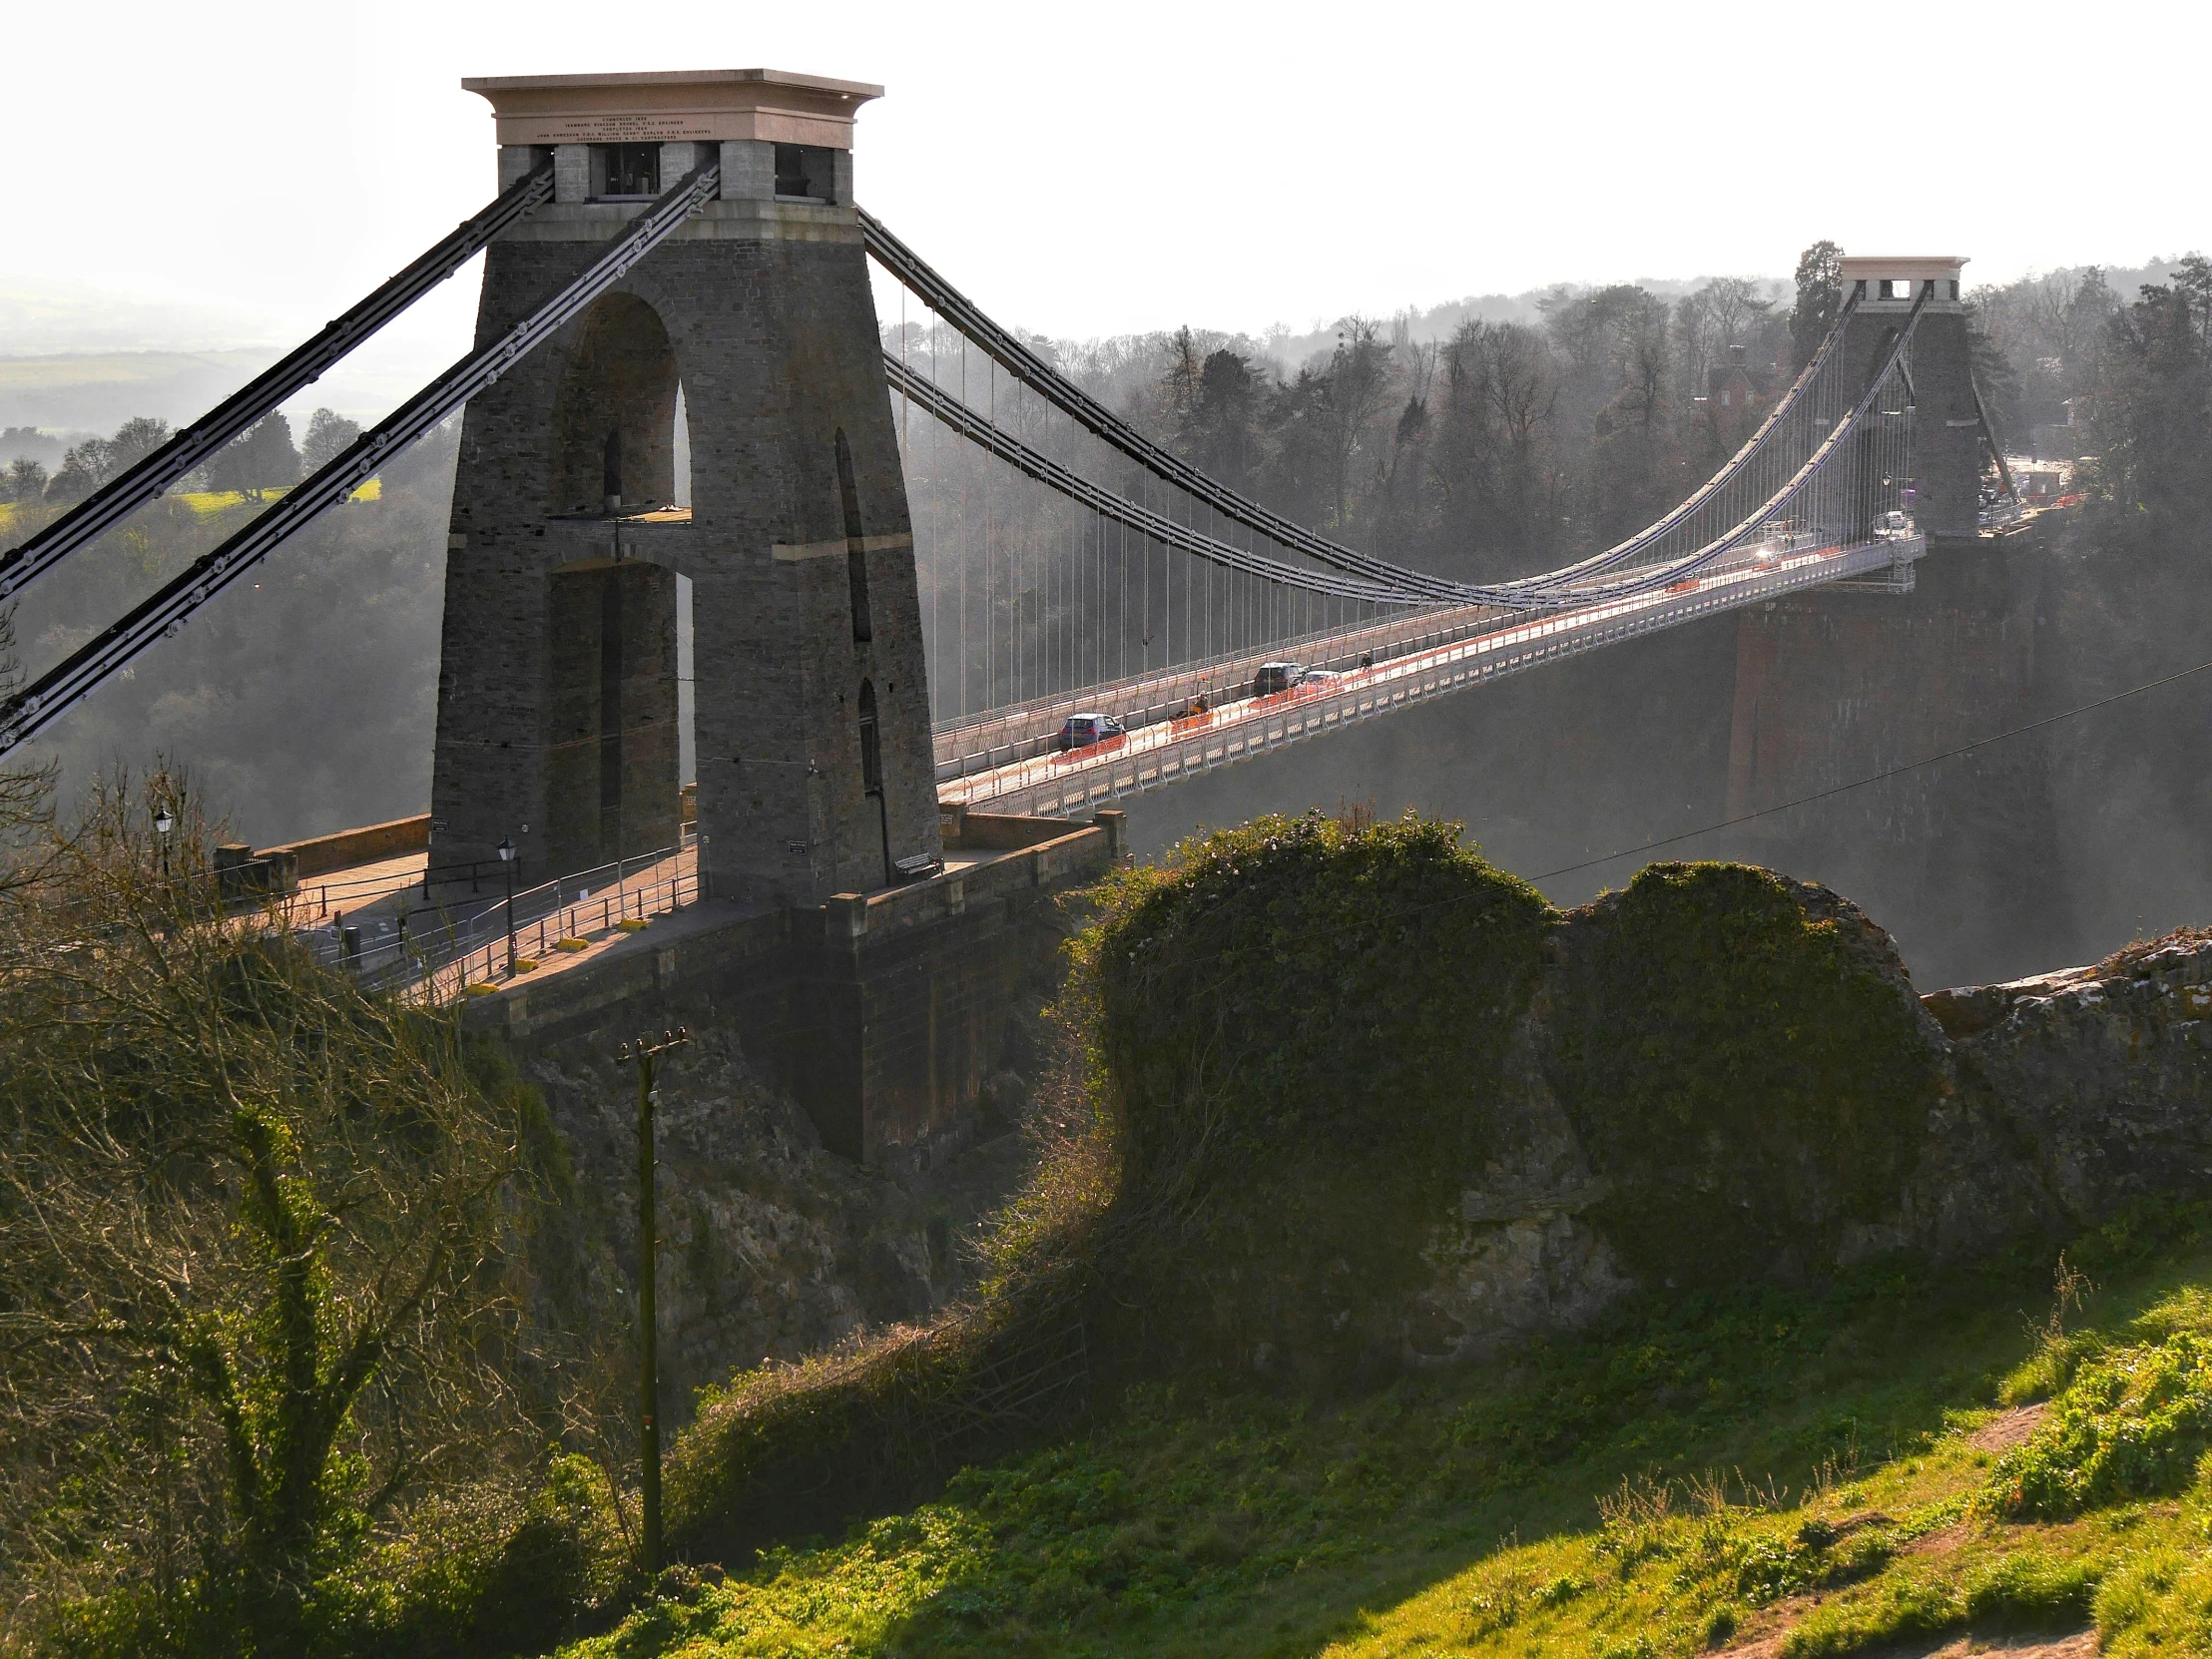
<point x="1152" y="756"/>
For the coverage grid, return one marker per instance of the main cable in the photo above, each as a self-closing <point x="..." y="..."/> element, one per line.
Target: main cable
<point x="165" y="612"/>
<point x="1032" y="371"/>
<point x="122" y="496"/>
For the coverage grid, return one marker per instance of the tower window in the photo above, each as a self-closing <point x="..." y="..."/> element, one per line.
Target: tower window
<point x="625" y="171"/>
<point x="804" y="172"/>
<point x="872" y="749"/>
<point x="855" y="546"/>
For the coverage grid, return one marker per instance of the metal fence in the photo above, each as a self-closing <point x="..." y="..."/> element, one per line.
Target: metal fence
<point x="440" y="962"/>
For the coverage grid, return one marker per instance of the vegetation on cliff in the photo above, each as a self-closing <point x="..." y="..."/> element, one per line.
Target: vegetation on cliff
<point x="1289" y="1044"/>
<point x="1177" y="1415"/>
<point x="265" y="1383"/>
<point x="1281" y="1044"/>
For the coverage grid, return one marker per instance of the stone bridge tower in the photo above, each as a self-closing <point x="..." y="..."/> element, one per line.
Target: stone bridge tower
<point x="1947" y="444"/>
<point x="573" y="537"/>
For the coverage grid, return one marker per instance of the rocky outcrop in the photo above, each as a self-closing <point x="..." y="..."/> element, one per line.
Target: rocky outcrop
<point x="2056" y="1100"/>
<point x="2076" y="1092"/>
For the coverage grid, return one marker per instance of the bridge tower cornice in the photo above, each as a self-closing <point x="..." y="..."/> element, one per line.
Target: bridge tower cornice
<point x="661" y="106"/>
<point x="1893" y="281"/>
<point x="784" y="142"/>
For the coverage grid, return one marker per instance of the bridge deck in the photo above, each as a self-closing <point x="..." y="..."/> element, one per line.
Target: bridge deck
<point x="1156" y="755"/>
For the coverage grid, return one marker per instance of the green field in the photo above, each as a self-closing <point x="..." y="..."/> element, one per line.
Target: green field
<point x="206" y="504"/>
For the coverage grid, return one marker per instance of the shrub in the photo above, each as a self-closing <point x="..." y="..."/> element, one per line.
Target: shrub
<point x="1744" y="1058"/>
<point x="1298" y="1029"/>
<point x="2132" y="1423"/>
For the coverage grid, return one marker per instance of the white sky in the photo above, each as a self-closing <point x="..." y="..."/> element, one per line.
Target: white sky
<point x="1095" y="169"/>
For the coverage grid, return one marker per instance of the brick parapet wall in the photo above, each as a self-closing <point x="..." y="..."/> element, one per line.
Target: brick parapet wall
<point x="319" y="855"/>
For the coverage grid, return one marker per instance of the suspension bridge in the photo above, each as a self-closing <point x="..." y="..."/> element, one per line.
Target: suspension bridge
<point x="858" y="671"/>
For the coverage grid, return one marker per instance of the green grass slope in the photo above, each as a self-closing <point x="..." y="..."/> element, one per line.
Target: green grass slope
<point x="1882" y="1460"/>
<point x="1183" y="1412"/>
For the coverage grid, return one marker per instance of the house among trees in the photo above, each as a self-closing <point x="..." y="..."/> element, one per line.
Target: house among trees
<point x="1735" y="385"/>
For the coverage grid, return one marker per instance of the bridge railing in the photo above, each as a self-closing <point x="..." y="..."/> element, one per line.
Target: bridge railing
<point x="1099" y="773"/>
<point x="567" y="928"/>
<point x="1023" y="731"/>
<point x="436" y="964"/>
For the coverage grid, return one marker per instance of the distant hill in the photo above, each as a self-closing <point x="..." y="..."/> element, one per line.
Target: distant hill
<point x="98" y="392"/>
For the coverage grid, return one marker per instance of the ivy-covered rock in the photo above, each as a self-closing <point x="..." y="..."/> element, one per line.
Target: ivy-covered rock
<point x="1300" y="1030"/>
<point x="1746" y="1066"/>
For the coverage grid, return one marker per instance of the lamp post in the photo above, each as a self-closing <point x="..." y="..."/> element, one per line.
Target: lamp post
<point x="162" y="823"/>
<point x="507" y="863"/>
<point x="429" y="852"/>
<point x="644" y="1053"/>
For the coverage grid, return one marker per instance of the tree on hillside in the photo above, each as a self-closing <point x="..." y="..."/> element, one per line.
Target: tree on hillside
<point x="25" y="480"/>
<point x="1820" y="297"/>
<point x="1220" y="429"/>
<point x="2193" y="281"/>
<point x="1357" y="387"/>
<point x="1635" y="472"/>
<point x="330" y="435"/>
<point x="95" y="461"/>
<point x="2148" y="391"/>
<point x="1494" y="453"/>
<point x="84" y="469"/>
<point x="250" y="1230"/>
<point x="257" y="459"/>
<point x="136" y="440"/>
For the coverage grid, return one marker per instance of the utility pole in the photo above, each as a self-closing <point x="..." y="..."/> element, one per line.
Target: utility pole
<point x="645" y="1054"/>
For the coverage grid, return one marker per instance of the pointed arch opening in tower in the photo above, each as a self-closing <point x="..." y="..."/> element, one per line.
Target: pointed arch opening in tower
<point x="872" y="764"/>
<point x="614" y="418"/>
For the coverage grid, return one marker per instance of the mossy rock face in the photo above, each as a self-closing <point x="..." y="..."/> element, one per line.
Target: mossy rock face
<point x="1744" y="1061"/>
<point x="1299" y="1031"/>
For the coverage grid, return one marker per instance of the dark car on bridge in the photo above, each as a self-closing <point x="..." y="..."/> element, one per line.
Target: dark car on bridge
<point x="1276" y="677"/>
<point x="1081" y="731"/>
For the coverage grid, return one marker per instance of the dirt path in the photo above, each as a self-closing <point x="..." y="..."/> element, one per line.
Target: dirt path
<point x="2082" y="1644"/>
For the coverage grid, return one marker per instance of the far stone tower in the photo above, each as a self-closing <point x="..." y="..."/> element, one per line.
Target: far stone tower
<point x="558" y="697"/>
<point x="1947" y="431"/>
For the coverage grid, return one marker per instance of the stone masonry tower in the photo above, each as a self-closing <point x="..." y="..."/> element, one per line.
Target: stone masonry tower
<point x="1946" y="424"/>
<point x="558" y="688"/>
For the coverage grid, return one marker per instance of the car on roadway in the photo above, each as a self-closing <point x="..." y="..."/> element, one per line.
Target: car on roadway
<point x="1321" y="676"/>
<point x="1081" y="731"/>
<point x="1276" y="677"/>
